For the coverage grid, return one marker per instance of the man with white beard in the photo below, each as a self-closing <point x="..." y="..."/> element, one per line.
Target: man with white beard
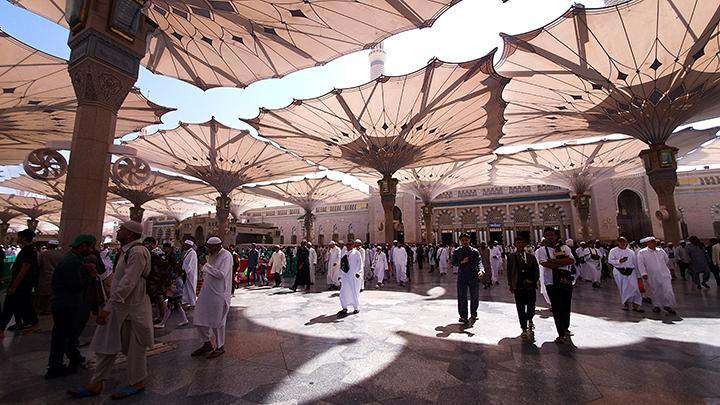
<point x="190" y="267"/>
<point x="214" y="302"/>
<point x="380" y="264"/>
<point x="654" y="266"/>
<point x="333" y="271"/>
<point x="399" y="258"/>
<point x="313" y="262"/>
<point x="496" y="260"/>
<point x="626" y="274"/>
<point x="351" y="278"/>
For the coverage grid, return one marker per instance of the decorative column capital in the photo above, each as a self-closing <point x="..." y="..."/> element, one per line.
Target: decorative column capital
<point x="136" y="213"/>
<point x="32" y="224"/>
<point x="581" y="201"/>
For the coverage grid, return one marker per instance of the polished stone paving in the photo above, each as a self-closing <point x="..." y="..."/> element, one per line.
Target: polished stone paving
<point x="405" y="346"/>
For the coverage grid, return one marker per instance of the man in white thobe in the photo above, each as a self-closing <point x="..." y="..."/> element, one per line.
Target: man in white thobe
<point x="361" y="285"/>
<point x="591" y="268"/>
<point x="312" y="255"/>
<point x="399" y="258"/>
<point x="190" y="267"/>
<point x="277" y="264"/>
<point x="496" y="261"/>
<point x="350" y="290"/>
<point x="125" y="323"/>
<point x="333" y="271"/>
<point x="654" y="266"/>
<point x="443" y="256"/>
<point x="214" y="302"/>
<point x="380" y="265"/>
<point x="626" y="274"/>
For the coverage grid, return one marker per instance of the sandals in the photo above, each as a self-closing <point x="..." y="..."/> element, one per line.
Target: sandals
<point x="125" y="392"/>
<point x="82" y="392"/>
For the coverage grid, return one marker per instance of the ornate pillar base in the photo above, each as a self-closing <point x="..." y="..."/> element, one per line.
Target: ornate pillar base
<point x="308" y="225"/>
<point x="136" y="213"/>
<point x="582" y="203"/>
<point x="388" y="192"/>
<point x="222" y="212"/>
<point x="661" y="169"/>
<point x="427" y="210"/>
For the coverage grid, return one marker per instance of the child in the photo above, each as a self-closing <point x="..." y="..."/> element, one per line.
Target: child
<point x="174" y="300"/>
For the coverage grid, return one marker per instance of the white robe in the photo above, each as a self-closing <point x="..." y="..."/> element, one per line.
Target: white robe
<point x="213" y="304"/>
<point x="591" y="269"/>
<point x="627" y="285"/>
<point x="313" y="263"/>
<point x="189" y="265"/>
<point x="656" y="266"/>
<point x="399" y="257"/>
<point x="443" y="259"/>
<point x="380" y="265"/>
<point x="351" y="281"/>
<point x="496" y="261"/>
<point x="333" y="272"/>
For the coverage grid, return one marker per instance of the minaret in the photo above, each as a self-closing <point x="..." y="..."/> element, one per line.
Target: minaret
<point x="377" y="61"/>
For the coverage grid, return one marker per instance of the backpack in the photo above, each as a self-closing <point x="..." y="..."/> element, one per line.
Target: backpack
<point x="344" y="264"/>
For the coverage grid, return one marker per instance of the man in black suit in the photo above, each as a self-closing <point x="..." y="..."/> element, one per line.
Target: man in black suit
<point x="523" y="275"/>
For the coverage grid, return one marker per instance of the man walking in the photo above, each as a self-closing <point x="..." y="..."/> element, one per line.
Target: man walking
<point x="302" y="278"/>
<point x="496" y="259"/>
<point x="277" y="264"/>
<point x="467" y="259"/>
<point x="653" y="265"/>
<point x="49" y="259"/>
<point x="351" y="277"/>
<point x="18" y="299"/>
<point x="333" y="270"/>
<point x="400" y="259"/>
<point x="125" y="323"/>
<point x="523" y="276"/>
<point x="626" y="275"/>
<point x="253" y="261"/>
<point x="214" y="302"/>
<point x="190" y="267"/>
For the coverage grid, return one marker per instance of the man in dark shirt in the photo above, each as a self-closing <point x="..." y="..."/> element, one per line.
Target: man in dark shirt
<point x="25" y="271"/>
<point x="253" y="260"/>
<point x="523" y="276"/>
<point x="303" y="269"/>
<point x="467" y="259"/>
<point x="72" y="277"/>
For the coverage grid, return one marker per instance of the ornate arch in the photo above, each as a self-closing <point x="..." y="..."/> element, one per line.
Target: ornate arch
<point x="468" y="217"/>
<point x="641" y="194"/>
<point x="522" y="214"/>
<point x="445" y="219"/>
<point x="553" y="214"/>
<point x="494" y="215"/>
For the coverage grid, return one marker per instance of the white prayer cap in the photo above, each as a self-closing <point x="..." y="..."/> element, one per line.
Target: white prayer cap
<point x="53" y="242"/>
<point x="189" y="242"/>
<point x="358" y="241"/>
<point x="133" y="226"/>
<point x="214" y="240"/>
<point x="570" y="242"/>
<point x="332" y="242"/>
<point x="648" y="239"/>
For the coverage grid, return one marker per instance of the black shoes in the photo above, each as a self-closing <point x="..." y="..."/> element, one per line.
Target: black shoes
<point x="57" y="372"/>
<point x="342" y="313"/>
<point x="216" y="353"/>
<point x="203" y="350"/>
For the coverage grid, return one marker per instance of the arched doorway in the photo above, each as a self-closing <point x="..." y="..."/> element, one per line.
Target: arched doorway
<point x="200" y="234"/>
<point x="632" y="221"/>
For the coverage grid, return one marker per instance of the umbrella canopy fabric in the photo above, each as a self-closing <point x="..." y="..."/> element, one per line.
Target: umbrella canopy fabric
<point x="442" y="113"/>
<point x="222" y="157"/>
<point x="33" y="207"/>
<point x="309" y="193"/>
<point x="38" y="103"/>
<point x="176" y="209"/>
<point x="705" y="154"/>
<point x="240" y="201"/>
<point x="233" y="43"/>
<point x="158" y="185"/>
<point x="640" y="68"/>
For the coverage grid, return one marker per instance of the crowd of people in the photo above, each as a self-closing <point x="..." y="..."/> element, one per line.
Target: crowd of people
<point x="137" y="286"/>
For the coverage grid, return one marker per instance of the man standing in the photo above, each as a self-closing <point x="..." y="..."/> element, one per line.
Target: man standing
<point x="400" y="258"/>
<point x="467" y="259"/>
<point x="49" y="259"/>
<point x="682" y="258"/>
<point x="420" y="256"/>
<point x="253" y="260"/>
<point x="523" y="276"/>
<point x="214" y="302"/>
<point x="351" y="278"/>
<point x="277" y="264"/>
<point x="496" y="259"/>
<point x="380" y="265"/>
<point x="654" y="266"/>
<point x="486" y="278"/>
<point x="443" y="255"/>
<point x="626" y="275"/>
<point x="556" y="259"/>
<point x="18" y="299"/>
<point x="302" y="278"/>
<point x="312" y="256"/>
<point x="190" y="267"/>
<point x="593" y="265"/>
<point x="333" y="270"/>
<point x="70" y="280"/>
<point x="125" y="323"/>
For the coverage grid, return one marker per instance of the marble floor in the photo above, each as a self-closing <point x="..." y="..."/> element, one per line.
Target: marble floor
<point x="405" y="346"/>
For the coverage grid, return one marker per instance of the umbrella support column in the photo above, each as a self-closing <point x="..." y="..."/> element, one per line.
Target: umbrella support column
<point x="103" y="67"/>
<point x="427" y="210"/>
<point x="582" y="203"/>
<point x="308" y="225"/>
<point x="661" y="169"/>
<point x="388" y="192"/>
<point x="32" y="224"/>
<point x="136" y="213"/>
<point x="222" y="213"/>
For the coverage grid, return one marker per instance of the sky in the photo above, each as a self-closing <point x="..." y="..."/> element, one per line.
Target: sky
<point x="467" y="31"/>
